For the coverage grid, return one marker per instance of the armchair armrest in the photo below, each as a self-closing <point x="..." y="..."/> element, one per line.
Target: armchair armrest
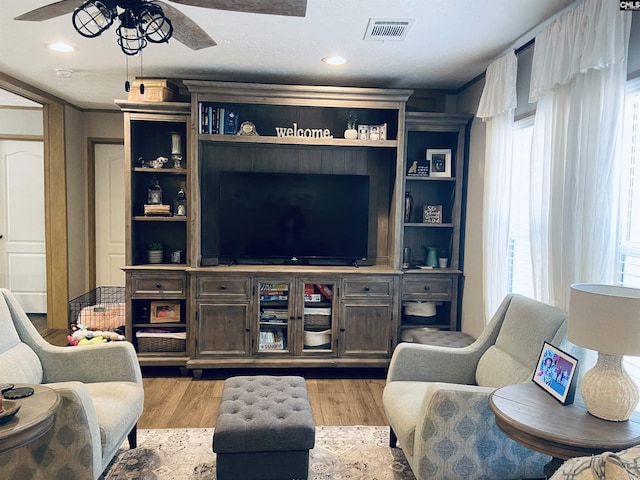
<point x="79" y="455"/>
<point x="429" y="363"/>
<point x="108" y="362"/>
<point x="457" y="437"/>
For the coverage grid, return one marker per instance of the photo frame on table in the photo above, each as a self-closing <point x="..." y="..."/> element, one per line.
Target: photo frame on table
<point x="165" y="312"/>
<point x="439" y="162"/>
<point x="555" y="373"/>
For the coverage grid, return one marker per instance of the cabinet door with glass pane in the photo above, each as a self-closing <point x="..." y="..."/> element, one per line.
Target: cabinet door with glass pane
<point x="274" y="318"/>
<point x="318" y="317"/>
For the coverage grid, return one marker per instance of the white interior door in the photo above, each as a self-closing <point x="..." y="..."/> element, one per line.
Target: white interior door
<point x="22" y="246"/>
<point x="110" y="235"/>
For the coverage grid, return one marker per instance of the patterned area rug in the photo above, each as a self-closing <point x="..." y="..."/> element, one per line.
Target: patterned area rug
<point x="340" y="453"/>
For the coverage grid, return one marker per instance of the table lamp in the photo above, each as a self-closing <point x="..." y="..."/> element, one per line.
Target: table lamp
<point x="606" y="318"/>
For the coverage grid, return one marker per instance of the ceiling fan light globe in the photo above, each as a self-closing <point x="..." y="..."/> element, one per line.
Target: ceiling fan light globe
<point x="130" y="37"/>
<point x="153" y="23"/>
<point x="93" y="17"/>
<point x="131" y="40"/>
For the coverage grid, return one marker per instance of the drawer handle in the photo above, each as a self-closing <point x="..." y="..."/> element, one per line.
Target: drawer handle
<point x="223" y="287"/>
<point x="158" y="285"/>
<point x="366" y="289"/>
<point x="427" y="288"/>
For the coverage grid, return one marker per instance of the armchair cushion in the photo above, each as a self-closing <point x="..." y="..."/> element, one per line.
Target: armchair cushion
<point x="513" y="357"/>
<point x="403" y="401"/>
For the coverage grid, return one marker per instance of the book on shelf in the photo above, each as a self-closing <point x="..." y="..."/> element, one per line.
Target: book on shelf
<point x="160" y="210"/>
<point x="273" y="298"/>
<point x="271" y="340"/>
<point x="218" y="120"/>
<point x="325" y="290"/>
<point x="274" y="287"/>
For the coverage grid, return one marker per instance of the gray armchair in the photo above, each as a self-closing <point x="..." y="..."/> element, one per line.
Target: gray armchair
<point x="100" y="388"/>
<point x="436" y="398"/>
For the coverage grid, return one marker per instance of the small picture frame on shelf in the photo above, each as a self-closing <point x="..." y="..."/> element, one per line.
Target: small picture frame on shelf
<point x="363" y="132"/>
<point x="554" y="373"/>
<point x="418" y="168"/>
<point x="439" y="162"/>
<point x="165" y="312"/>
<point x="432" y="214"/>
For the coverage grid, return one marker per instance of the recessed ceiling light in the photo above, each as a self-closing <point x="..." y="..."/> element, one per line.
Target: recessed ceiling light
<point x="334" y="60"/>
<point x="61" y="47"/>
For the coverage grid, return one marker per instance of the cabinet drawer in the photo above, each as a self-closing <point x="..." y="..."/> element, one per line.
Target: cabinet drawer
<point x="366" y="288"/>
<point x="222" y="286"/>
<point x="427" y="288"/>
<point x="159" y="285"/>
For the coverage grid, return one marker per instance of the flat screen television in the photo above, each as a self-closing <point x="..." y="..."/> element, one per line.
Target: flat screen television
<point x="266" y="217"/>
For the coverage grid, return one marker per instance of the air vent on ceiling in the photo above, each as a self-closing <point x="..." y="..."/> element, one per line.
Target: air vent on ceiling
<point x="387" y="29"/>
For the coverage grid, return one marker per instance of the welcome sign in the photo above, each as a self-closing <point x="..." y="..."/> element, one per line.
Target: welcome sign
<point x="296" y="131"/>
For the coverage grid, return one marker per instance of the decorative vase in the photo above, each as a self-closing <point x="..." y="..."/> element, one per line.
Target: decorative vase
<point x="408" y="207"/>
<point x="432" y="257"/>
<point x="351" y="134"/>
<point x="155" y="256"/>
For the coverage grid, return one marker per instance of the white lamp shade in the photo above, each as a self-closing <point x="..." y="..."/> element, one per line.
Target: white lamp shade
<point x="605" y="318"/>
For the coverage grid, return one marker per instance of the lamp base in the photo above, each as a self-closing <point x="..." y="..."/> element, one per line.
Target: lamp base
<point x="608" y="391"/>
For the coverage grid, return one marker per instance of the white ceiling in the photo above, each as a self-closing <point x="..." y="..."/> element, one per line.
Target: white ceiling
<point x="450" y="43"/>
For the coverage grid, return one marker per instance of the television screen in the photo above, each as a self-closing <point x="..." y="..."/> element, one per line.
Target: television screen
<point x="293" y="217"/>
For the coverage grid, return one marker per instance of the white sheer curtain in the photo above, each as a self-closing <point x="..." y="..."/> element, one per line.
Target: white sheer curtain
<point x="578" y="79"/>
<point x="497" y="104"/>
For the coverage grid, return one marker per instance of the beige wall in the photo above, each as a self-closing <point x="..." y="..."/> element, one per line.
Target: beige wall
<point x="76" y="202"/>
<point x="81" y="129"/>
<point x="473" y="320"/>
<point x="18" y="121"/>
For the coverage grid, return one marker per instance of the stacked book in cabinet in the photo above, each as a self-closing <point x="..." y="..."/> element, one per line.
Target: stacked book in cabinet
<point x="432" y="233"/>
<point x="157" y="234"/>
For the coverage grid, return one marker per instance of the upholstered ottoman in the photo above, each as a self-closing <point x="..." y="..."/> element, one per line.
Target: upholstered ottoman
<point x="264" y="429"/>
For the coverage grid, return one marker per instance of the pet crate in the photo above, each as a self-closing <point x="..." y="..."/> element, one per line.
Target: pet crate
<point x="102" y="308"/>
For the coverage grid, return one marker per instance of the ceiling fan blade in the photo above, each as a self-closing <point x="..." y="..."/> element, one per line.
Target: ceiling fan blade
<point x="50" y="11"/>
<point x="185" y="30"/>
<point x="292" y="8"/>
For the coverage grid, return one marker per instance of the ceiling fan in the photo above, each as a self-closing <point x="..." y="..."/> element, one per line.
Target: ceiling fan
<point x="152" y="20"/>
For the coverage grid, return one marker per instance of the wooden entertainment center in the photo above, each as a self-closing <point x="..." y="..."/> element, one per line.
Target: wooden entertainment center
<point x="289" y="314"/>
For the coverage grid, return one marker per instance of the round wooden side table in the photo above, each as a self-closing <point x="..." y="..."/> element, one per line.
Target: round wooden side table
<point x="34" y="419"/>
<point x="535" y="419"/>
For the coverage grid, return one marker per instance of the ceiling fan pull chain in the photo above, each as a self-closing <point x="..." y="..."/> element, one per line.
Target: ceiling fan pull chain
<point x="141" y="75"/>
<point x="127" y="84"/>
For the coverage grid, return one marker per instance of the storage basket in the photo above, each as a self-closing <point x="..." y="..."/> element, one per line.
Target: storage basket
<point x="317" y="339"/>
<point x="102" y="308"/>
<point x="317" y="320"/>
<point x="157" y="342"/>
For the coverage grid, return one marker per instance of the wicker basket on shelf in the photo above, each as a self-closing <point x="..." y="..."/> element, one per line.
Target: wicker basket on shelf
<point x="157" y="343"/>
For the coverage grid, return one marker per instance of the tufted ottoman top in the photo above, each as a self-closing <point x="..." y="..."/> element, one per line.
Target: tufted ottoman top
<point x="264" y="413"/>
<point x="443" y="338"/>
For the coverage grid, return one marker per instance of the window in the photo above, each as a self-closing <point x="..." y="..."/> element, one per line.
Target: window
<point x="520" y="278"/>
<point x="628" y="256"/>
<point x="628" y="251"/>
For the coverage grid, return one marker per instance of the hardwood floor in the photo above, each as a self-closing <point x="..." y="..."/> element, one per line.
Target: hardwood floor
<point x="336" y="396"/>
<point x="174" y="401"/>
